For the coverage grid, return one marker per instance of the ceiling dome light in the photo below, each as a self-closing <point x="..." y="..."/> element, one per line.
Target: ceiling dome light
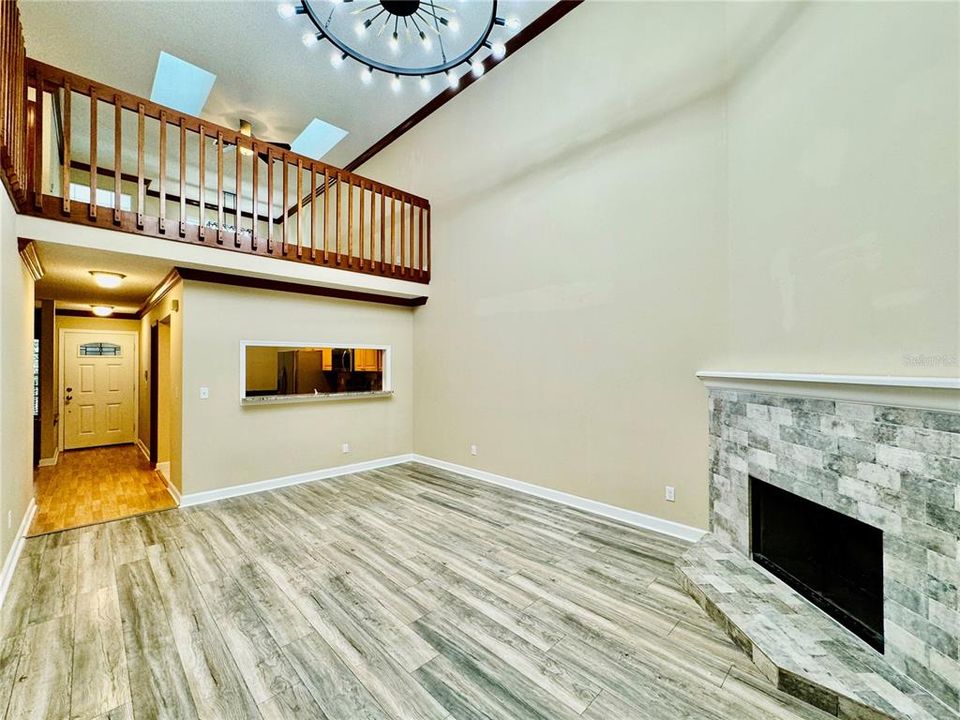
<point x="452" y="80"/>
<point x="286" y="10"/>
<point x="395" y="84"/>
<point x="425" y="83"/>
<point x="310" y="39"/>
<point x="476" y="67"/>
<point x="366" y="75"/>
<point x="102" y="310"/>
<point x="498" y="50"/>
<point x="107" y="279"/>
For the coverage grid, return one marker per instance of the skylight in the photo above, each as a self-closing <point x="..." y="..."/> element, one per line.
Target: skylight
<point x="317" y="139"/>
<point x="181" y="85"/>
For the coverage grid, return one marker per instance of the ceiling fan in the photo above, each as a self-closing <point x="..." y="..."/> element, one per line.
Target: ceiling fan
<point x="246" y="129"/>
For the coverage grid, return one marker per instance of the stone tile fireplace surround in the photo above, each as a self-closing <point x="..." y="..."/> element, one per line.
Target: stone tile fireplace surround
<point x="885" y="451"/>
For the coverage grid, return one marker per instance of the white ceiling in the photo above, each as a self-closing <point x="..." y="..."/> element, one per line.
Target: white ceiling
<point x="67" y="278"/>
<point x="264" y="72"/>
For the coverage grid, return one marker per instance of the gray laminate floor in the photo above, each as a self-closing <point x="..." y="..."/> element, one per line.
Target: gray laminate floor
<point x="404" y="593"/>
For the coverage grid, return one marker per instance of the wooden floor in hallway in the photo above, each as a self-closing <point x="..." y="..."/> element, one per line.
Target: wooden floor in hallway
<point x="96" y="485"/>
<point x="405" y="593"/>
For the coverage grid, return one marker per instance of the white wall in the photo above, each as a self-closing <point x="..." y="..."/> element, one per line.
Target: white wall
<point x="725" y="186"/>
<point x="16" y="381"/>
<point x="225" y="444"/>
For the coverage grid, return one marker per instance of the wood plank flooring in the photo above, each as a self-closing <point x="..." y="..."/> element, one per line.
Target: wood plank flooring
<point x="94" y="486"/>
<point x="405" y="594"/>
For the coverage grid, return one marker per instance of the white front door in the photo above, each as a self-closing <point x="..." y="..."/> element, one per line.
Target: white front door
<point x="99" y="380"/>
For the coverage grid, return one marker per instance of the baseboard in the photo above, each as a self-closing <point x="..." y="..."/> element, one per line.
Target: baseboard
<point x="630" y="517"/>
<point x="143" y="448"/>
<point x="163" y="469"/>
<point x="48" y="462"/>
<point x="10" y="564"/>
<point x="255" y="487"/>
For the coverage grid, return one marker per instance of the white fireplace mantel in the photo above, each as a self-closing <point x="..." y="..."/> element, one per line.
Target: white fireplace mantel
<point x="928" y="393"/>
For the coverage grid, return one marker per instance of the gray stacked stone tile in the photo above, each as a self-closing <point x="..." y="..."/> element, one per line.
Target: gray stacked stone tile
<point x="895" y="468"/>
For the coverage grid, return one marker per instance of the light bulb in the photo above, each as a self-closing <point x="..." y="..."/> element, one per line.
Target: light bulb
<point x="395" y="84"/>
<point x="513" y="23"/>
<point x="424" y="83"/>
<point x="498" y="50"/>
<point x="452" y="79"/>
<point x="453" y="24"/>
<point x="310" y="39"/>
<point x="476" y="67"/>
<point x="362" y="28"/>
<point x="337" y="58"/>
<point x="102" y="310"/>
<point x="425" y="40"/>
<point x="286" y="10"/>
<point x="366" y="75"/>
<point x="395" y="42"/>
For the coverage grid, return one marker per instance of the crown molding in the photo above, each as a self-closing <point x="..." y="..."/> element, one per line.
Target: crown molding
<point x="28" y="253"/>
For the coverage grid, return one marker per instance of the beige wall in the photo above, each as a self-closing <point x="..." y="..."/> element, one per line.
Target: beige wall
<point x="743" y="186"/>
<point x="164" y="395"/>
<point x="171" y="394"/>
<point x="16" y="381"/>
<point x="225" y="444"/>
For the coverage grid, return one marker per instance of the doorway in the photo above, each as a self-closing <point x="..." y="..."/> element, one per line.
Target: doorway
<point x="98" y="403"/>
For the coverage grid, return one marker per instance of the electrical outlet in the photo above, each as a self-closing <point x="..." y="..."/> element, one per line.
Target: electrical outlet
<point x="473" y="449"/>
<point x="345" y="448"/>
<point x="204" y="393"/>
<point x="671" y="493"/>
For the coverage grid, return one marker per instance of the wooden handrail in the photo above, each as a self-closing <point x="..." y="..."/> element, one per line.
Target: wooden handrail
<point x="191" y="217"/>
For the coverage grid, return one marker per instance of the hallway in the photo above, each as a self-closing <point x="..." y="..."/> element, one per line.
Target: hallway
<point x="96" y="485"/>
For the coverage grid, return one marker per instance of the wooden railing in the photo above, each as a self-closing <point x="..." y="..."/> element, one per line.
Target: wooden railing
<point x="103" y="157"/>
<point x="13" y="103"/>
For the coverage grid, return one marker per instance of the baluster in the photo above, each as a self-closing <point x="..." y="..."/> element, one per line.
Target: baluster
<point x="350" y="222"/>
<point x="360" y="233"/>
<point x="117" y="157"/>
<point x="393" y="232"/>
<point x="202" y="182"/>
<point x="299" y="207"/>
<point x="270" y="200"/>
<point x="403" y="237"/>
<point x="162" y="221"/>
<point x="338" y="218"/>
<point x="383" y="228"/>
<point x="93" y="155"/>
<point x="420" y="243"/>
<point x="141" y="187"/>
<point x="373" y="197"/>
<point x="326" y="209"/>
<point x="313" y="212"/>
<point x="255" y="200"/>
<point x="38" y="147"/>
<point x="183" y="177"/>
<point x="412" y="209"/>
<point x="237" y="199"/>
<point x="219" y="187"/>
<point x="65" y="170"/>
<point x="283" y="207"/>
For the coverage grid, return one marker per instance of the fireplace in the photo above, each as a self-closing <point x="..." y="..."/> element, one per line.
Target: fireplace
<point x="833" y="560"/>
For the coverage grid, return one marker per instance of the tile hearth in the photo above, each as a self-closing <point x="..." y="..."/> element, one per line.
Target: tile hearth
<point x="799" y="648"/>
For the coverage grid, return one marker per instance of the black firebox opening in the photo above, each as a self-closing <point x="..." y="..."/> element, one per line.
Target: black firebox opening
<point x="833" y="560"/>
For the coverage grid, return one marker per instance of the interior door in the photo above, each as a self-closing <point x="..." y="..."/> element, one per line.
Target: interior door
<point x="99" y="382"/>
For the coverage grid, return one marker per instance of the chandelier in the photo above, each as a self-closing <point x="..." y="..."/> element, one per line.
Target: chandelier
<point x="406" y="38"/>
